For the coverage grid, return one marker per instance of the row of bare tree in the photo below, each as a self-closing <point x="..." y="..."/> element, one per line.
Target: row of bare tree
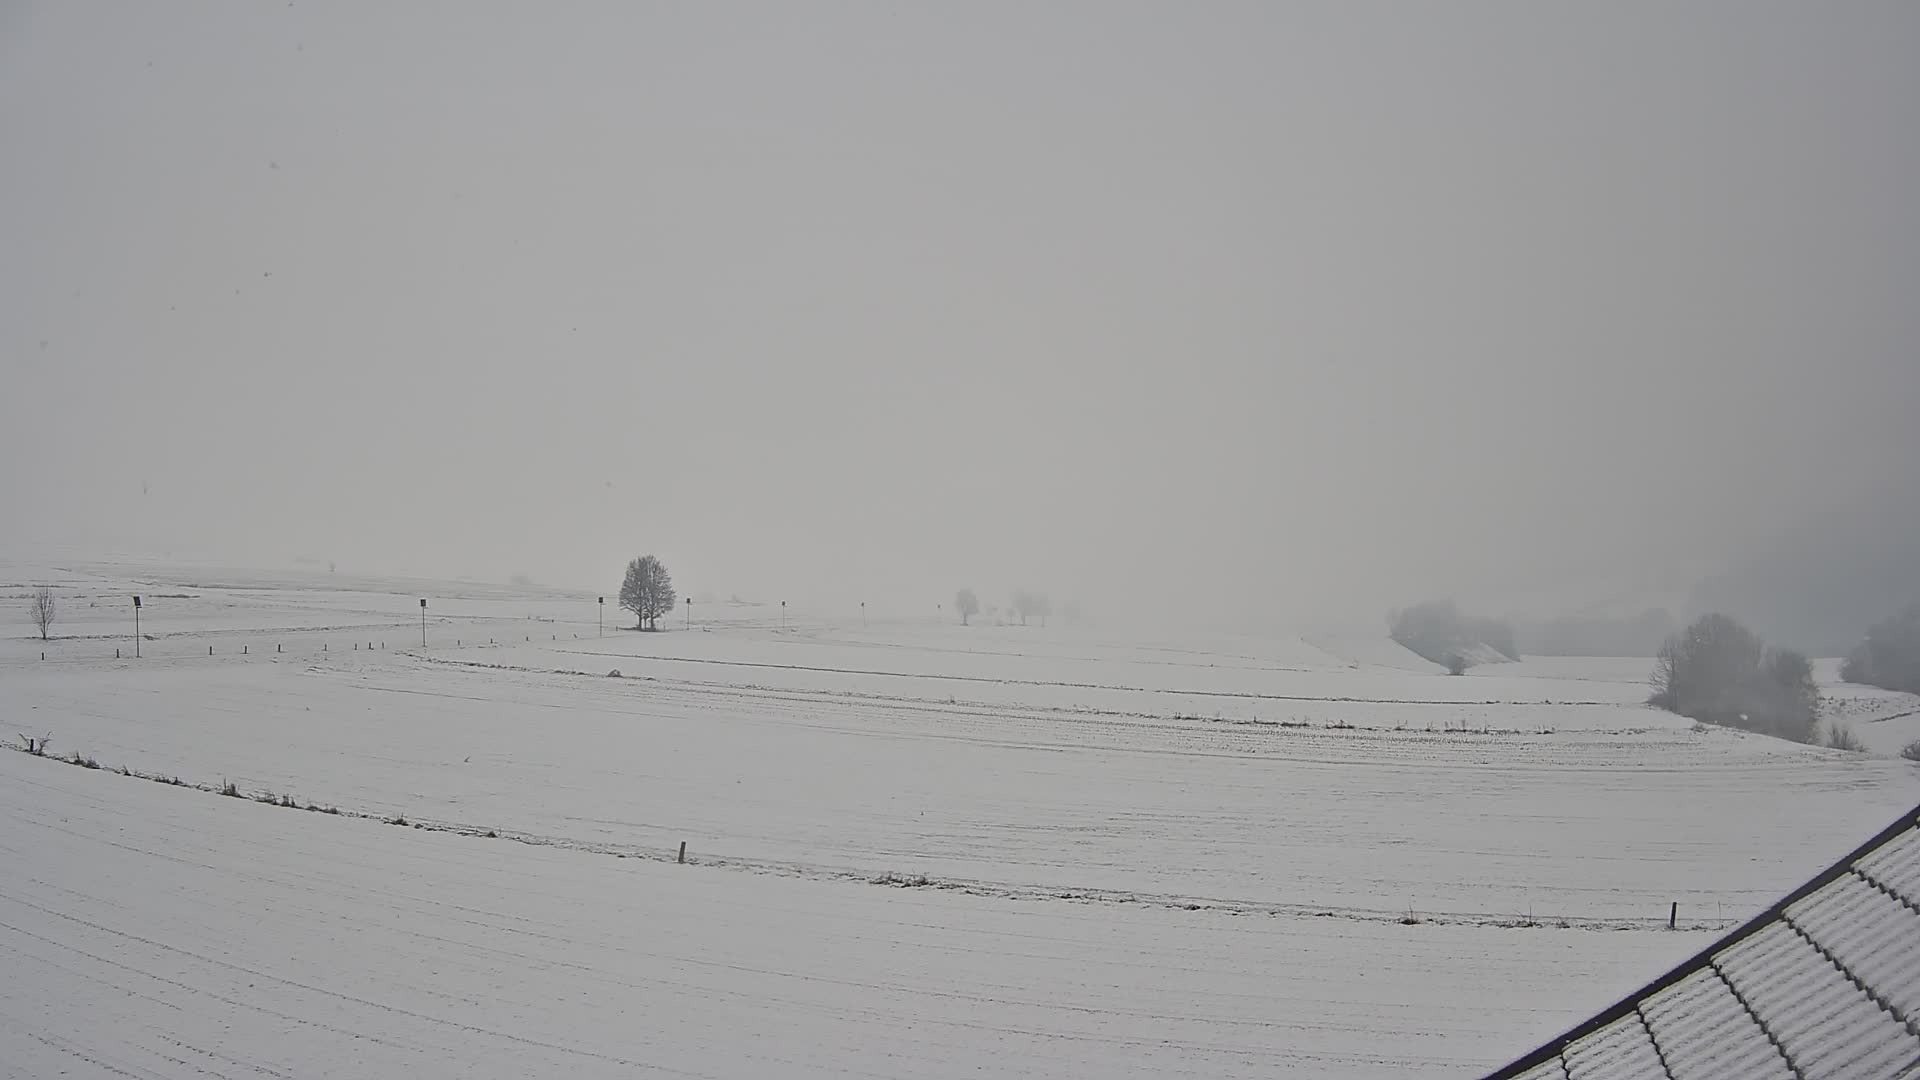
<point x="1027" y="605"/>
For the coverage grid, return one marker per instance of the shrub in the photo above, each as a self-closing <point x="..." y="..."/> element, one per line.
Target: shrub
<point x="903" y="881"/>
<point x="1457" y="664"/>
<point x="77" y="758"/>
<point x="230" y="790"/>
<point x="1912" y="752"/>
<point x="1841" y="737"/>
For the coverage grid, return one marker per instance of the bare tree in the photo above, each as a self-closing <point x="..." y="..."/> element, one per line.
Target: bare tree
<point x="42" y="610"/>
<point x="968" y="604"/>
<point x="647" y="591"/>
<point x="1031" y="604"/>
<point x="1718" y="671"/>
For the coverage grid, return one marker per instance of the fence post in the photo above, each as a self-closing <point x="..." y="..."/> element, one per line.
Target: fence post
<point x="683" y="851"/>
<point x="1673" y="916"/>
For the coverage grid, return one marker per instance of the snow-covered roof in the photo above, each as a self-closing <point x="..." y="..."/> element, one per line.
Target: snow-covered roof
<point x="1826" y="983"/>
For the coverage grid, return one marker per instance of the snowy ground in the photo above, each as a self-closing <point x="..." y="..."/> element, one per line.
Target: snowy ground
<point x="1144" y="854"/>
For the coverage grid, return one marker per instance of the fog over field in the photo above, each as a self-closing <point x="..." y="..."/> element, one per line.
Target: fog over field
<point x="1081" y="539"/>
<point x="1250" y="313"/>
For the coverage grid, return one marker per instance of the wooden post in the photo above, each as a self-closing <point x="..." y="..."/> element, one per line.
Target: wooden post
<point x="683" y="851"/>
<point x="1673" y="916"/>
<point x="276" y="648"/>
<point x="209" y="650"/>
<point x="116" y="652"/>
<point x="243" y="650"/>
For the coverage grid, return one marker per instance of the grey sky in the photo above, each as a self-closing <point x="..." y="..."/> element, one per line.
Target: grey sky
<point x="1233" y="307"/>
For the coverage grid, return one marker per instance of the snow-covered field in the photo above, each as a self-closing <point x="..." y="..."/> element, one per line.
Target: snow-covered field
<point x="913" y="848"/>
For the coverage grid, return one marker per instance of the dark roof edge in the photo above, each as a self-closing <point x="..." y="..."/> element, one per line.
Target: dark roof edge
<point x="1626" y="1005"/>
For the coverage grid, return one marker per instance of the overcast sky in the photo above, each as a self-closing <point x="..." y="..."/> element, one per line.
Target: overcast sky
<point x="1223" y="308"/>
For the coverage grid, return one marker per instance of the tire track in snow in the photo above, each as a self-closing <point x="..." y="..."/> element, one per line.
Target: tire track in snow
<point x="471" y="1029"/>
<point x="1246" y="695"/>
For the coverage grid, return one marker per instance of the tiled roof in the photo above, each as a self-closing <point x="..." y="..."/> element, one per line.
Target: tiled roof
<point x="1826" y="983"/>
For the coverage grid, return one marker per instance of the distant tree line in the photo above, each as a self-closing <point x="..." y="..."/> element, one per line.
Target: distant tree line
<point x="1890" y="655"/>
<point x="1027" y="605"/>
<point x="1032" y="604"/>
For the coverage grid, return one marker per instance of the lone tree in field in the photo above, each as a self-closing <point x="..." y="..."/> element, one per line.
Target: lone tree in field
<point x="1440" y="632"/>
<point x="968" y="604"/>
<point x="41" y="609"/>
<point x="647" y="591"/>
<point x="1721" y="672"/>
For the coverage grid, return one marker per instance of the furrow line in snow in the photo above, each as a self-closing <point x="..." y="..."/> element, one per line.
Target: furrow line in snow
<point x="971" y="887"/>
